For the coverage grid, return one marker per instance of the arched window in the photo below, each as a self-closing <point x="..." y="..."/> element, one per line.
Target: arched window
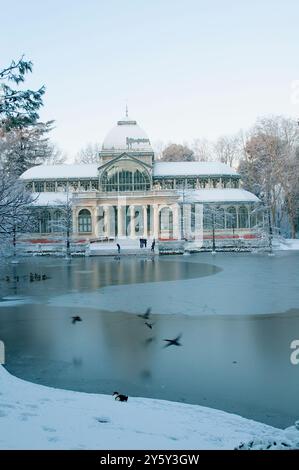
<point x="207" y="218"/>
<point x="125" y="176"/>
<point x="45" y="222"/>
<point x="84" y="221"/>
<point x="253" y="219"/>
<point x="39" y="186"/>
<point x="220" y="221"/>
<point x="231" y="217"/>
<point x="166" y="222"/>
<point x="57" y="221"/>
<point x="243" y="217"/>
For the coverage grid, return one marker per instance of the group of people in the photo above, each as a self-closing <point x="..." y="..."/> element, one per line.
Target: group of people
<point x="143" y="243"/>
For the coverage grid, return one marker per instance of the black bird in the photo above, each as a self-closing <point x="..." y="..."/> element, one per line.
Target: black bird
<point x="173" y="342"/>
<point x="75" y="319"/>
<point x="146" y="315"/>
<point x="149" y="341"/>
<point x="145" y="374"/>
<point x="150" y="325"/>
<point x="120" y="397"/>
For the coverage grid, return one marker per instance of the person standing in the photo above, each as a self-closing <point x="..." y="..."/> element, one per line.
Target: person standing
<point x="118" y="248"/>
<point x="153" y="245"/>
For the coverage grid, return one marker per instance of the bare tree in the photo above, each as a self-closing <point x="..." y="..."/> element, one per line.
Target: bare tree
<point x="64" y="222"/>
<point x="269" y="165"/>
<point x="55" y="156"/>
<point x="290" y="182"/>
<point x="89" y="154"/>
<point x="228" y="149"/>
<point x="15" y="213"/>
<point x="177" y="153"/>
<point x="202" y="150"/>
<point x="158" y="147"/>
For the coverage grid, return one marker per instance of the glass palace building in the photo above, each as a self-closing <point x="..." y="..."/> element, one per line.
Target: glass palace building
<point x="130" y="194"/>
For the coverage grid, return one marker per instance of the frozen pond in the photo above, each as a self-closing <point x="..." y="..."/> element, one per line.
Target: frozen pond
<point x="238" y="314"/>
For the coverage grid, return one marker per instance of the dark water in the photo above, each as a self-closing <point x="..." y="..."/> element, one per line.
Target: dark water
<point x="238" y="363"/>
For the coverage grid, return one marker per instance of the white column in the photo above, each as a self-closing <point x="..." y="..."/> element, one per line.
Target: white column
<point x="96" y="223"/>
<point x="107" y="220"/>
<point x="119" y="221"/>
<point x="132" y="222"/>
<point x="156" y="221"/>
<point x="176" y="222"/>
<point x="74" y="220"/>
<point x="144" y="208"/>
<point x="187" y="220"/>
<point x="94" y="214"/>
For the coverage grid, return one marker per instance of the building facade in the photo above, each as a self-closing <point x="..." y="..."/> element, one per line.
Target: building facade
<point x="130" y="194"/>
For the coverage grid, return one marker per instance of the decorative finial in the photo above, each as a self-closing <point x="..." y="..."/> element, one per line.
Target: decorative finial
<point x="126" y="110"/>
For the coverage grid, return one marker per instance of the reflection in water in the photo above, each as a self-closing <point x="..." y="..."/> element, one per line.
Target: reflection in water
<point x="235" y="363"/>
<point x="88" y="274"/>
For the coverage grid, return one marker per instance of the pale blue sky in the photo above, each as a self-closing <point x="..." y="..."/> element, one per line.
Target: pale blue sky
<point x="188" y="69"/>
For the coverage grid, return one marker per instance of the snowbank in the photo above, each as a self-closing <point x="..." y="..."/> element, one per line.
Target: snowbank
<point x="288" y="244"/>
<point x="37" y="417"/>
<point x="290" y="440"/>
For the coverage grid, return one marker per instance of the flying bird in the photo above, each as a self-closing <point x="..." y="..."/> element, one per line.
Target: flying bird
<point x="149" y="341"/>
<point x="146" y="315"/>
<point x="75" y="319"/>
<point x="173" y="342"/>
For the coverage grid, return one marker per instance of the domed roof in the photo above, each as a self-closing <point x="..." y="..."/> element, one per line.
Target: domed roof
<point x="127" y="136"/>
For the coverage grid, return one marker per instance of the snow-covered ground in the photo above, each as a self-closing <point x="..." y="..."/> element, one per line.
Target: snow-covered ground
<point x="288" y="244"/>
<point x="38" y="417"/>
<point x="127" y="246"/>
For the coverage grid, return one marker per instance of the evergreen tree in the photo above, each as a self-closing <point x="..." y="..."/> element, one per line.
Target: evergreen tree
<point x="18" y="108"/>
<point x="22" y="148"/>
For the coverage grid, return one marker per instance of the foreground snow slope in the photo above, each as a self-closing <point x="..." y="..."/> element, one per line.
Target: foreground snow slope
<point x="37" y="417"/>
<point x="288" y="244"/>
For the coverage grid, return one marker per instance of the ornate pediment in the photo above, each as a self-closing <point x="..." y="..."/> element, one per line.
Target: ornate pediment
<point x="124" y="157"/>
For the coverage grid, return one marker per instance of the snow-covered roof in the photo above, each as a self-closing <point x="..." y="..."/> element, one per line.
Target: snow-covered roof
<point x="127" y="135"/>
<point x="62" y="171"/>
<point x="217" y="195"/>
<point x="192" y="169"/>
<point x="49" y="199"/>
<point x="160" y="169"/>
